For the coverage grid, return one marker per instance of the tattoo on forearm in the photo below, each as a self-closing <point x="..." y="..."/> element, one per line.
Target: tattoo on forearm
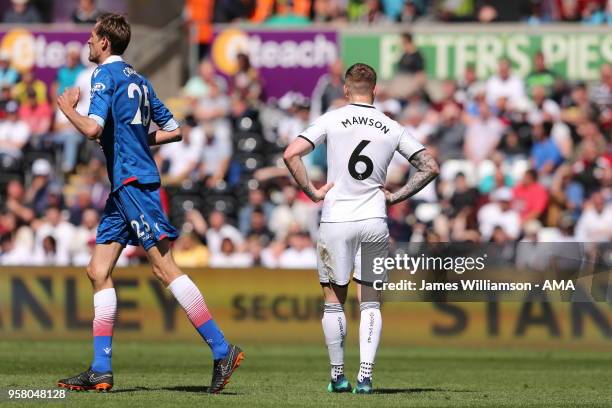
<point x="427" y="170"/>
<point x="298" y="171"/>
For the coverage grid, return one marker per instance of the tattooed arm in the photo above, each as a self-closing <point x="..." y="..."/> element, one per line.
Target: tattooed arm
<point x="293" y="159"/>
<point x="427" y="170"/>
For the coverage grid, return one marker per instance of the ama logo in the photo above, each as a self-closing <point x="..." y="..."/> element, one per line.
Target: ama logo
<point x="268" y="51"/>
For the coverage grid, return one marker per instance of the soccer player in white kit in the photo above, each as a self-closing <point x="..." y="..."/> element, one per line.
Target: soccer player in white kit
<point x="361" y="141"/>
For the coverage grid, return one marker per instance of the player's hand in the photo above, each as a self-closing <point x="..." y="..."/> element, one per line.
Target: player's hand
<point x="319" y="194"/>
<point x="69" y="98"/>
<point x="388" y="196"/>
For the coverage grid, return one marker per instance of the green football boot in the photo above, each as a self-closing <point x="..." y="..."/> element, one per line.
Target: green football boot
<point x="363" y="387"/>
<point x="340" y="385"/>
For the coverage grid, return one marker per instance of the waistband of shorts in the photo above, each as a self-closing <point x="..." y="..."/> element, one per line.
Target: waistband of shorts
<point x="359" y="220"/>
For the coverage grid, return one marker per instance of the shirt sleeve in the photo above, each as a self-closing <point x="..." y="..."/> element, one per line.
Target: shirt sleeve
<point x="101" y="96"/>
<point x="160" y="114"/>
<point x="315" y="133"/>
<point x="407" y="145"/>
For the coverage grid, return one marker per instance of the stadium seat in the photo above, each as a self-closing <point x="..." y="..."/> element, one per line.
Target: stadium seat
<point x="10" y="165"/>
<point x="241" y="190"/>
<point x="181" y="203"/>
<point x="249" y="142"/>
<point x="30" y="156"/>
<point x="227" y="204"/>
<point x="189" y="187"/>
<point x="250" y="162"/>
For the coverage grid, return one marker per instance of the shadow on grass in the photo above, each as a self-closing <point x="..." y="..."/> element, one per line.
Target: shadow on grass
<point x="413" y="390"/>
<point x="196" y="389"/>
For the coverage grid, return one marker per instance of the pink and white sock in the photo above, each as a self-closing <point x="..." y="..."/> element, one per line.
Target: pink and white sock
<point x="105" y="310"/>
<point x="192" y="301"/>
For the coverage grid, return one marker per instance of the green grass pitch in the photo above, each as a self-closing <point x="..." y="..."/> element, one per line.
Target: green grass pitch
<point x="175" y="375"/>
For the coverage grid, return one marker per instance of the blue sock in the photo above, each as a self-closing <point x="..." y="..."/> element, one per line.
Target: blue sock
<point x="214" y="338"/>
<point x="102" y="354"/>
<point x="191" y="300"/>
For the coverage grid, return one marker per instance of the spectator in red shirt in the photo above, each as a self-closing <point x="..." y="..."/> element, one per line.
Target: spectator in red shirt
<point x="530" y="197"/>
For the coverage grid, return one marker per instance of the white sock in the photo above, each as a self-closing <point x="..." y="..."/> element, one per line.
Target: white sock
<point x="334" y="328"/>
<point x="337" y="371"/>
<point x="365" y="371"/>
<point x="370" y="327"/>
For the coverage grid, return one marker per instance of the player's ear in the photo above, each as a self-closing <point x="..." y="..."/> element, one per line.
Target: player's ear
<point x="374" y="92"/>
<point x="105" y="43"/>
<point x="346" y="91"/>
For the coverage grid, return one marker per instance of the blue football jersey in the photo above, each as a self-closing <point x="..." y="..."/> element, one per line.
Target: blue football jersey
<point x="124" y="103"/>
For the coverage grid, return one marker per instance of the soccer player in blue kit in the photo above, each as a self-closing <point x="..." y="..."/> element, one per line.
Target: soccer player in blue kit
<point x="123" y="103"/>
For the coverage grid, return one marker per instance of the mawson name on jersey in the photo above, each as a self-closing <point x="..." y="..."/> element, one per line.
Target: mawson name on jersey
<point x="364" y="120"/>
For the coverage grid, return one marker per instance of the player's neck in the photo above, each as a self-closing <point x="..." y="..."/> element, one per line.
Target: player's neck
<point x="363" y="100"/>
<point x="104" y="58"/>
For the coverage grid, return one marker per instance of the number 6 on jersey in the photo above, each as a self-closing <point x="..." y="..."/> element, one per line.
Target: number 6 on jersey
<point x="356" y="157"/>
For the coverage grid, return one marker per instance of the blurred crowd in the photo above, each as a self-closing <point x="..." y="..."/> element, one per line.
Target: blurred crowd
<point x="522" y="160"/>
<point x="302" y="12"/>
<point x="43" y="11"/>
<point x="378" y="12"/>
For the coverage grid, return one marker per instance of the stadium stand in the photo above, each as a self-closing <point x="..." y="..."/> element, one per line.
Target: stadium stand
<point x="522" y="158"/>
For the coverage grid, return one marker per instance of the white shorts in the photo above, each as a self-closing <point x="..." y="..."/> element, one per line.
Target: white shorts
<point x="339" y="248"/>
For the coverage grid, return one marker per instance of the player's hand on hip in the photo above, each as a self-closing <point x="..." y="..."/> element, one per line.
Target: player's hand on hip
<point x="69" y="98"/>
<point x="319" y="194"/>
<point x="388" y="196"/>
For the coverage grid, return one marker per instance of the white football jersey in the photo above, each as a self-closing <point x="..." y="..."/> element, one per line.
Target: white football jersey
<point x="361" y="141"/>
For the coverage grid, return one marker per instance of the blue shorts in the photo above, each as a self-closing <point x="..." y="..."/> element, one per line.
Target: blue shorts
<point x="133" y="215"/>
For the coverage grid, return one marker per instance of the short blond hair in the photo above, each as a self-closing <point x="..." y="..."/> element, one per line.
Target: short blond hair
<point x="360" y="79"/>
